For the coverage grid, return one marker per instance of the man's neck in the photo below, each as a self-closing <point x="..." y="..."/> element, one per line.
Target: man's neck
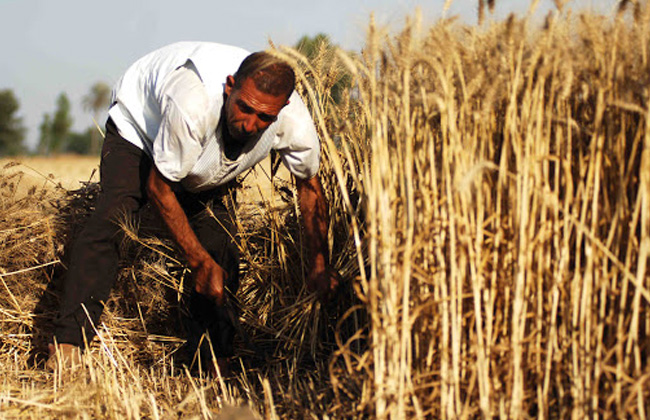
<point x="232" y="148"/>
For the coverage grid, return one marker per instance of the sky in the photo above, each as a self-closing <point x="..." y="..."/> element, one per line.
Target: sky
<point x="50" y="47"/>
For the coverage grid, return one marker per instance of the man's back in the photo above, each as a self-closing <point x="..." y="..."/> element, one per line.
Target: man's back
<point x="138" y="92"/>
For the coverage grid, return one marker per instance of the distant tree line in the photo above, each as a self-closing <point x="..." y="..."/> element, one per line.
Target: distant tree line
<point x="12" y="130"/>
<point x="55" y="131"/>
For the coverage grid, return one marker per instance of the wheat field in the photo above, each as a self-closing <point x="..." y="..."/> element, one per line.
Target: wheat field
<point x="66" y="171"/>
<point x="489" y="191"/>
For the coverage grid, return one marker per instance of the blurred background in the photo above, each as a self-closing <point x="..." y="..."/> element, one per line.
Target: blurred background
<point x="61" y="58"/>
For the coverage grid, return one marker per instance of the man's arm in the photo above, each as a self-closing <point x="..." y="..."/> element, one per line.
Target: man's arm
<point x="208" y="275"/>
<point x="321" y="278"/>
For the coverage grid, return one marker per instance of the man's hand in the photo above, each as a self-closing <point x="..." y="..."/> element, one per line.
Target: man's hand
<point x="209" y="279"/>
<point x="322" y="277"/>
<point x="324" y="282"/>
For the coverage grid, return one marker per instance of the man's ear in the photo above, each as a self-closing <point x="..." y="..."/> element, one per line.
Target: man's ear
<point x="230" y="84"/>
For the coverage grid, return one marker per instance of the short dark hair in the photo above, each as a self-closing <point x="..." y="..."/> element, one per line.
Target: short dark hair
<point x="269" y="73"/>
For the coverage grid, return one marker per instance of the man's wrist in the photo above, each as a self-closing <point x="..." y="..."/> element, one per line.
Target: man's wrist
<point x="196" y="261"/>
<point x="318" y="261"/>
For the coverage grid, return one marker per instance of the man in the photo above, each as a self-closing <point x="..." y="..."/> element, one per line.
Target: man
<point x="186" y="120"/>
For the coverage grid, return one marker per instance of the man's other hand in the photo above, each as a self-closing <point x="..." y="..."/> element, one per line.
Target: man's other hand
<point x="325" y="282"/>
<point x="209" y="279"/>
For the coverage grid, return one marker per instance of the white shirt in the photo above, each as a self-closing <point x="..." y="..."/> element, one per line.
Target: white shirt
<point x="173" y="113"/>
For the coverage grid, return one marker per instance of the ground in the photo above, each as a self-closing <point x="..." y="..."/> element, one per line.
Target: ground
<point x="70" y="171"/>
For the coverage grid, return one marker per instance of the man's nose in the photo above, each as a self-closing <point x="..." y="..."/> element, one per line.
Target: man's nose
<point x="250" y="126"/>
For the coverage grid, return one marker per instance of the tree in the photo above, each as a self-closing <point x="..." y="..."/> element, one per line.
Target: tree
<point x="61" y="124"/>
<point x="12" y="131"/>
<point x="45" y="135"/>
<point x="96" y="101"/>
<point x="320" y="52"/>
<point x="80" y="143"/>
<point x="310" y="46"/>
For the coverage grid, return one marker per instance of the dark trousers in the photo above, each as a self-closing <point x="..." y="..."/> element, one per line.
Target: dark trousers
<point x="93" y="268"/>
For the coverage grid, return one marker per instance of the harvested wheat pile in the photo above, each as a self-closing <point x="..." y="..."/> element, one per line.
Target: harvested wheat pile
<point x="28" y="228"/>
<point x="135" y="366"/>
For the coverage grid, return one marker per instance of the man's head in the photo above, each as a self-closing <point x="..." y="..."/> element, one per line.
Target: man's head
<point x="256" y="94"/>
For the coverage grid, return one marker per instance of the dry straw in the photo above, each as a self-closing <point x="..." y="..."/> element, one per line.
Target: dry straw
<point x="489" y="201"/>
<point x="502" y="223"/>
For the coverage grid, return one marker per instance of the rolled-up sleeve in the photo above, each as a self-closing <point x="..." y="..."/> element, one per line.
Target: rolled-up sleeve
<point x="178" y="144"/>
<point x="298" y="142"/>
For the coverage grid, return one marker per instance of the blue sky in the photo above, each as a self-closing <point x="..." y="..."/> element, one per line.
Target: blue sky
<point x="51" y="47"/>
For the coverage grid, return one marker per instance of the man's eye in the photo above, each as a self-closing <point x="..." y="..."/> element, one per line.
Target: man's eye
<point x="245" y="108"/>
<point x="267" y="118"/>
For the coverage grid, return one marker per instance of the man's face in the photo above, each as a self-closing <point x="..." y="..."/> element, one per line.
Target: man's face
<point x="249" y="111"/>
